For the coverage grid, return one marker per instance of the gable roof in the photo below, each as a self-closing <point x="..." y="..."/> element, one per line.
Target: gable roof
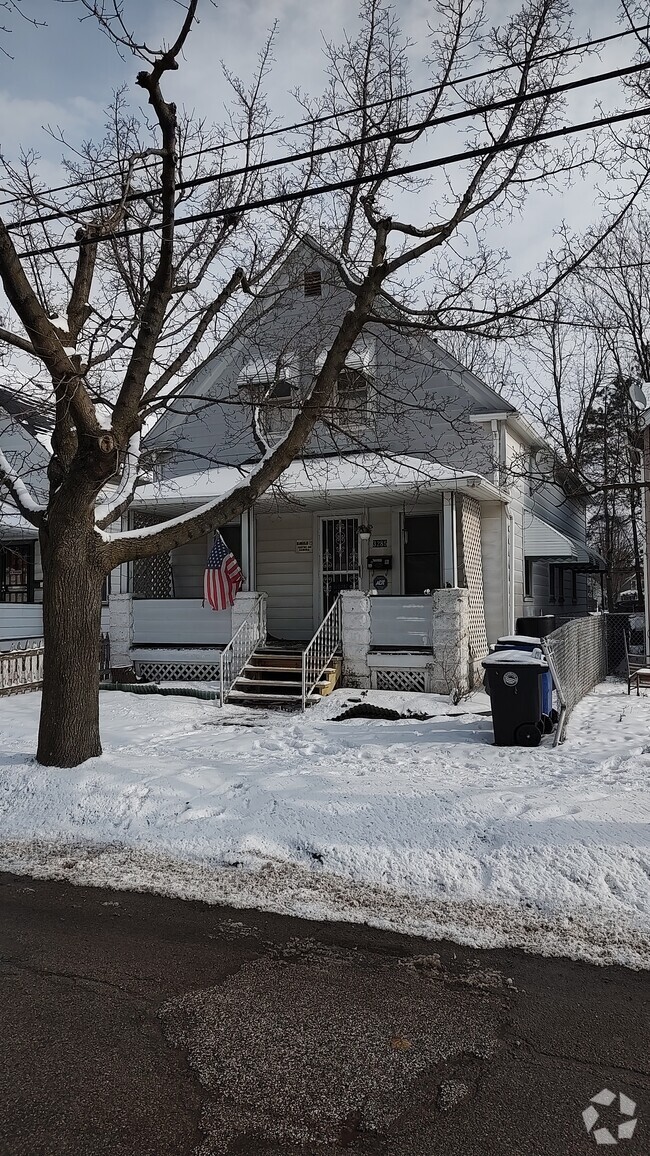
<point x="487" y="399"/>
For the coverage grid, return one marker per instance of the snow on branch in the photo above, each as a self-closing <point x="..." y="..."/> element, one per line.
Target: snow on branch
<point x="26" y="502"/>
<point x="249" y="474"/>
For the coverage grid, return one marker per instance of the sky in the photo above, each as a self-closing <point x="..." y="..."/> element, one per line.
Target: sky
<point x="63" y="75"/>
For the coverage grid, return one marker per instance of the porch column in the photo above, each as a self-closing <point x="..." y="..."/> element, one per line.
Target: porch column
<point x="246" y="559"/>
<point x="120" y="630"/>
<point x="449" y="540"/>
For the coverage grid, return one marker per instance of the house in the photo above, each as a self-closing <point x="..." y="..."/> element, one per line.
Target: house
<point x="24" y="440"/>
<point x="424" y="499"/>
<point x="21" y="575"/>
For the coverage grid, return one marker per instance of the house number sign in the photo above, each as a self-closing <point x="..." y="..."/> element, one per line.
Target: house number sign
<point x="303" y="546"/>
<point x="380" y="543"/>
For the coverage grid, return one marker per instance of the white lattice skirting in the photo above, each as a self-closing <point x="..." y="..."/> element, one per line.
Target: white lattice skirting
<point x="419" y="680"/>
<point x="179" y="671"/>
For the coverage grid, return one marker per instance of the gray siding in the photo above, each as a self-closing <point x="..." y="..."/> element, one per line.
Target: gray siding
<point x="416" y="407"/>
<point x="285" y="573"/>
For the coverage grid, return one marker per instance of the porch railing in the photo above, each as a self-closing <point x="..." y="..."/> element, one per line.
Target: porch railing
<point x="318" y="654"/>
<point x="242" y="645"/>
<point x="21" y="668"/>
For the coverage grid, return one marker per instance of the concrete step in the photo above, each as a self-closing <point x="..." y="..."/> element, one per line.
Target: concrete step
<point x="245" y="697"/>
<point x="280" y="669"/>
<point x="289" y="661"/>
<point x="242" y="681"/>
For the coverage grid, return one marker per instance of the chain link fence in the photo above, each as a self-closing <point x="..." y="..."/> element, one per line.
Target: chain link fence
<point x="577" y="657"/>
<point x="584" y="651"/>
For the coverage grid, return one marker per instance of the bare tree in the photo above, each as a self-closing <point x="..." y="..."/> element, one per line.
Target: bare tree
<point x="160" y="266"/>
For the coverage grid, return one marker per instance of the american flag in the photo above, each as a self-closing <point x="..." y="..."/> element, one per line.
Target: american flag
<point x="223" y="577"/>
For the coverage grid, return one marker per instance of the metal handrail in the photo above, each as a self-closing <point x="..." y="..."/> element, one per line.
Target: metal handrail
<point x="318" y="653"/>
<point x="242" y="645"/>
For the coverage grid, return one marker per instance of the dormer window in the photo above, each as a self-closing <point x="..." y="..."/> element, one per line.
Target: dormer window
<point x="352" y="395"/>
<point x="273" y="388"/>
<point x="278" y="409"/>
<point x="312" y="283"/>
<point x="352" y="400"/>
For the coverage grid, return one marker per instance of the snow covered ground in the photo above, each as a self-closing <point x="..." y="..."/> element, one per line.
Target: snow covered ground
<point x="417" y="825"/>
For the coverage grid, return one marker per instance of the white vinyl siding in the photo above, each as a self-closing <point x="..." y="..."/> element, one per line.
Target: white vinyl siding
<point x="285" y="573"/>
<point x="188" y="567"/>
<point x="25" y="620"/>
<point x="179" y="622"/>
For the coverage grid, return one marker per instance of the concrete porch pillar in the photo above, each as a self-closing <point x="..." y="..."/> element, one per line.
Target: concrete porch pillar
<point x="244" y="603"/>
<point x="356" y="637"/>
<point x="451" y="638"/>
<point x="120" y="629"/>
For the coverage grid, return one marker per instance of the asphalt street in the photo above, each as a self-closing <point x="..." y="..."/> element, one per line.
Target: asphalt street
<point x="142" y="1026"/>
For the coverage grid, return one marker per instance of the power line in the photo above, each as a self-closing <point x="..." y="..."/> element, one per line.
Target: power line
<point x="325" y="118"/>
<point x="326" y="150"/>
<point x="352" y="182"/>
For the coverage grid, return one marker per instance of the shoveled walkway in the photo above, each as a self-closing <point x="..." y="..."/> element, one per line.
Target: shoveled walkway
<point x="134" y="1024"/>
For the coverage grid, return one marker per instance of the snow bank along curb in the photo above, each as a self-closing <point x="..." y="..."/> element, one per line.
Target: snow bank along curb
<point x="420" y="826"/>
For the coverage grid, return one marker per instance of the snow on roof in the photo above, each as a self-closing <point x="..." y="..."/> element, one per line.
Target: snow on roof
<point x="317" y="476"/>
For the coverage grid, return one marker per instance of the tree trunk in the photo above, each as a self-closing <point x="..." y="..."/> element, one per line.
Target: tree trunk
<point x="72" y="605"/>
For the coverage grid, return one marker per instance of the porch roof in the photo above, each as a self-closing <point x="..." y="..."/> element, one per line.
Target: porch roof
<point x="315" y="481"/>
<point x="13" y="527"/>
<point x="544" y="541"/>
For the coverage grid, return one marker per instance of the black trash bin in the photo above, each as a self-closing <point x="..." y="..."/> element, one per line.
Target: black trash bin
<point x="513" y="680"/>
<point x="538" y="626"/>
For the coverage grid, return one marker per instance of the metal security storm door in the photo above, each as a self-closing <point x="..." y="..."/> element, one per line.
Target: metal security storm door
<point x="340" y="557"/>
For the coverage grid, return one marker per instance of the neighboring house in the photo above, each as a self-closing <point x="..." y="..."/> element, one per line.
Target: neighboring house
<point x="24" y="436"/>
<point x="419" y="497"/>
<point x="423" y="482"/>
<point x="21" y="575"/>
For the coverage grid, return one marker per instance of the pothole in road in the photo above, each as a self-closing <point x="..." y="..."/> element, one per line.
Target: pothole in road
<point x="319" y="1052"/>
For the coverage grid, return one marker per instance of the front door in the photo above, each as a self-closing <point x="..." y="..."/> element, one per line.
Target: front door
<point x="339" y="558"/>
<point x="421" y="554"/>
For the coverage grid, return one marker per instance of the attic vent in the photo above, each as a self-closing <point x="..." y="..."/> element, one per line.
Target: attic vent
<point x="312" y="283"/>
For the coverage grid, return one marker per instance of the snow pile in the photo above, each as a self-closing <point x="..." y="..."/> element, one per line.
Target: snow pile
<point x="421" y="826"/>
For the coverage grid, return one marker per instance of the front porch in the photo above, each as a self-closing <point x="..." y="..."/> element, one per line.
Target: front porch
<point x="393" y="531"/>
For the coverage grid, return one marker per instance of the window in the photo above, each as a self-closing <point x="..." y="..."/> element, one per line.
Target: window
<point x="312" y="283"/>
<point x="528" y="578"/>
<point x="352" y="397"/>
<point x="551" y="583"/>
<point x="277" y="409"/>
<point x="272" y="385"/>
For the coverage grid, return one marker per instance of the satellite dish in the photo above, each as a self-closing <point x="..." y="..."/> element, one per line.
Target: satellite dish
<point x="639" y="393"/>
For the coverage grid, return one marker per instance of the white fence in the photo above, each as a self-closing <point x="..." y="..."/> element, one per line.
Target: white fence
<point x="21" y="668"/>
<point x="401" y="622"/>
